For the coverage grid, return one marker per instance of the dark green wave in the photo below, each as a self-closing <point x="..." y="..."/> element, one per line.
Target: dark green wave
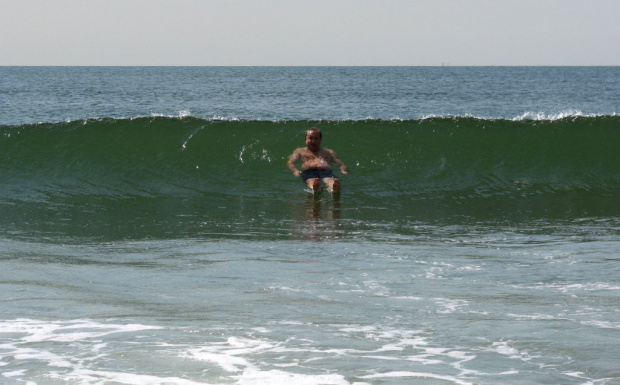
<point x="435" y="167"/>
<point x="423" y="158"/>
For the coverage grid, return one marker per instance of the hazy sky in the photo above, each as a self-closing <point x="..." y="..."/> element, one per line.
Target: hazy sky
<point x="309" y="32"/>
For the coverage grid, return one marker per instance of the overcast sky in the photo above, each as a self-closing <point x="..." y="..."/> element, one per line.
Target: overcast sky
<point x="309" y="32"/>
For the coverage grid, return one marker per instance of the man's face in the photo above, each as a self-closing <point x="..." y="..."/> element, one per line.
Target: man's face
<point x="313" y="140"/>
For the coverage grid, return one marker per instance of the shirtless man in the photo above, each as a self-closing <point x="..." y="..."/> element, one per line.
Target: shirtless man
<point x="316" y="163"/>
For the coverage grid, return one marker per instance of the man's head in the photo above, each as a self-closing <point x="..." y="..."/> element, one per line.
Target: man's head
<point x="313" y="139"/>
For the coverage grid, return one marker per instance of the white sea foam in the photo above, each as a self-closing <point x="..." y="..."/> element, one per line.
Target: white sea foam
<point x="448" y="305"/>
<point x="569" y="288"/>
<point x="532" y="316"/>
<point x="277" y="377"/>
<point x="231" y="357"/>
<point x="14" y="373"/>
<point x="49" y="345"/>
<point x="37" y="331"/>
<point x="602" y="324"/>
<point x="505" y="349"/>
<point x="540" y="115"/>
<point x="102" y="377"/>
<point x="409" y="298"/>
<point x="417" y="375"/>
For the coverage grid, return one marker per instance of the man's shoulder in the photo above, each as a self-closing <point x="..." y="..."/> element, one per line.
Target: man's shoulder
<point x="298" y="152"/>
<point x="301" y="150"/>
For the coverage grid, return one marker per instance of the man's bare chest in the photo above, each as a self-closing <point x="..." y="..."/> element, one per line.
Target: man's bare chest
<point x="319" y="155"/>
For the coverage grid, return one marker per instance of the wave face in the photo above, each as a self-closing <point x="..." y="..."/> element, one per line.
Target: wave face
<point x="434" y="168"/>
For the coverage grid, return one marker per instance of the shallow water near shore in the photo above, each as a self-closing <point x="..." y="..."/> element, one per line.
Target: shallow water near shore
<point x="440" y="306"/>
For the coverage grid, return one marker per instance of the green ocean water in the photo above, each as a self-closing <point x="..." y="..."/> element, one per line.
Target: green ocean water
<point x="196" y="173"/>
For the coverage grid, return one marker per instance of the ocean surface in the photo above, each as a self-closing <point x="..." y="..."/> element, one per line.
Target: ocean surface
<point x="150" y="232"/>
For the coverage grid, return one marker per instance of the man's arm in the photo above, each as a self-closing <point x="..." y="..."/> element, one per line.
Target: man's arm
<point x="295" y="157"/>
<point x="343" y="167"/>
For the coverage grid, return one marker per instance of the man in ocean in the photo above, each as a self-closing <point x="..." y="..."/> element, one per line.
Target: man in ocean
<point x="316" y="163"/>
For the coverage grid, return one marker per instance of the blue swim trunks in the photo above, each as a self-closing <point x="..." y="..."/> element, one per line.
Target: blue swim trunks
<point x="316" y="173"/>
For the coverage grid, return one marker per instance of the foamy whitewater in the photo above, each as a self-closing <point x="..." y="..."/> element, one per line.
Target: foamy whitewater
<point x="150" y="232"/>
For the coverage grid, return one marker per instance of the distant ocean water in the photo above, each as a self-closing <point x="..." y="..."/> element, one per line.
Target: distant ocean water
<point x="150" y="232"/>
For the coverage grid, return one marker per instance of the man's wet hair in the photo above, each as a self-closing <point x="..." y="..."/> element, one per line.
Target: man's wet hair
<point x="313" y="129"/>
